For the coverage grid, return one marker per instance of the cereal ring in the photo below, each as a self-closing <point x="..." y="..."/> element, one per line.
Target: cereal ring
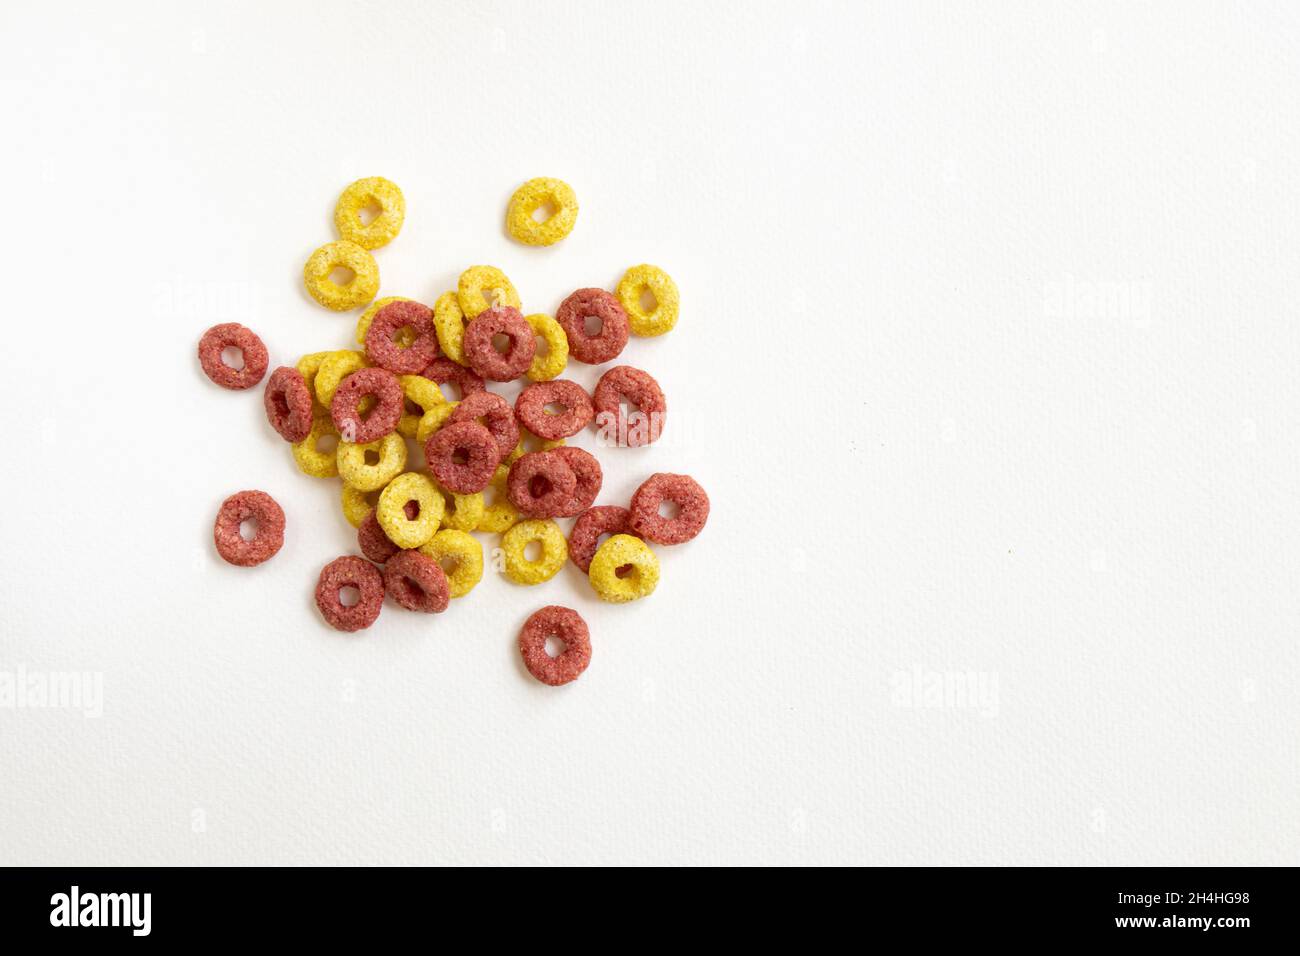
<point x="499" y="515"/>
<point x="531" y="410"/>
<point x="464" y="555"/>
<point x="528" y="442"/>
<point x="334" y="368"/>
<point x="385" y="347"/>
<point x="682" y="490"/>
<point x="368" y="316"/>
<point x="483" y="355"/>
<point x="341" y="297"/>
<point x="598" y="304"/>
<point x="373" y="542"/>
<point x="467" y="440"/>
<point x="495" y="414"/>
<point x="357" y="504"/>
<point x="623" y="569"/>
<point x="640" y="281"/>
<point x="417" y="582"/>
<point x="288" y="404"/>
<point x="566" y="625"/>
<point x="631" y="430"/>
<point x="232" y="335"/>
<point x="373" y="191"/>
<point x="356" y="468"/>
<point x="592" y="524"/>
<point x="350" y="571"/>
<point x="382" y="418"/>
<point x="256" y="506"/>
<point x="534" y="195"/>
<point x="515" y="542"/>
<point x="461" y="512"/>
<point x="548" y="363"/>
<point x="449" y="323"/>
<point x="444" y="371"/>
<point x="311" y="458"/>
<point x="420" y="394"/>
<point x="541" y="484"/>
<point x="309" y="365"/>
<point x="410" y="508"/>
<point x="477" y="283"/>
<point x="433" y="419"/>
<point x="590" y="477"/>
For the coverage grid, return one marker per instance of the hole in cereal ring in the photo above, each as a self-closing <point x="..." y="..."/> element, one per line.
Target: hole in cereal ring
<point x="555" y="646"/>
<point x="281" y="404"/>
<point x="555" y="408"/>
<point x="592" y="325"/>
<point x="371" y="456"/>
<point x="232" y="356"/>
<point x="411" y="509"/>
<point x="450" y="563"/>
<point x="545" y="211"/>
<point x="623" y="570"/>
<point x="539" y="486"/>
<point x="342" y="275"/>
<point x="501" y="342"/>
<point x="349" y="595"/>
<point x="248" y="529"/>
<point x="413" y="586"/>
<point x="327" y="444"/>
<point x="411" y="408"/>
<point x="369" y="212"/>
<point x="543" y="347"/>
<point x="460" y="456"/>
<point x="669" y="509"/>
<point x="648" y="301"/>
<point x="533" y="551"/>
<point x="450" y="391"/>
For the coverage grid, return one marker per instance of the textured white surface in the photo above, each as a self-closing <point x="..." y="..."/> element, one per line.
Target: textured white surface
<point x="988" y="358"/>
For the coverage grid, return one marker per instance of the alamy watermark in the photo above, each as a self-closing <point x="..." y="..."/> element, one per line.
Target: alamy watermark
<point x="23" y="689"/>
<point x="945" y="690"/>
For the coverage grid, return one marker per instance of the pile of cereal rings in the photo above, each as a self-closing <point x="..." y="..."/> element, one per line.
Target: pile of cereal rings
<point x="489" y="467"/>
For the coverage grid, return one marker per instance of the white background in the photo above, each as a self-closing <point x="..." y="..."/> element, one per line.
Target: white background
<point x="987" y="358"/>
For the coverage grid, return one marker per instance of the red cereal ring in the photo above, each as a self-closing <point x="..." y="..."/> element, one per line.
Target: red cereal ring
<point x="232" y="335"/>
<point x="541" y="484"/>
<point x="492" y="412"/>
<point x="566" y="625"/>
<point x="682" y="490"/>
<point x="372" y="540"/>
<point x="381" y="344"/>
<point x="444" y="370"/>
<point x="590" y="477"/>
<point x="417" y="582"/>
<point x="350" y="571"/>
<point x="585" y="537"/>
<point x="469" y="441"/>
<point x="601" y="305"/>
<point x="381" y="420"/>
<point x="482" y="354"/>
<point x="248" y="506"/>
<point x="288" y="403"/>
<point x="638" y="388"/>
<point x="530" y="408"/>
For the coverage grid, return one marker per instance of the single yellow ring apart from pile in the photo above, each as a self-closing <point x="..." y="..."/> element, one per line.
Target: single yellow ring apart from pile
<point x="482" y="287"/>
<point x="341" y="255"/>
<point x="636" y="282"/>
<point x="534" y="195"/>
<point x="312" y="460"/>
<point x="357" y="504"/>
<point x="371" y="191"/>
<point x="403" y="531"/>
<point x="463" y="552"/>
<point x="548" y="366"/>
<point x="555" y="551"/>
<point x="617" y="551"/>
<point x="369" y="476"/>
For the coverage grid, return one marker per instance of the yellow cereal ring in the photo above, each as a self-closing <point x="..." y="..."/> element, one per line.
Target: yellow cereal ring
<point x="477" y="283"/>
<point x="555" y="551"/>
<point x="372" y="191"/>
<point x="334" y="368"/>
<point x="308" y="366"/>
<point x="354" y="293"/>
<point x="449" y="325"/>
<point x="636" y="282"/>
<point x="368" y="316"/>
<point x="422" y="394"/>
<point x="619" y="551"/>
<point x="461" y="557"/>
<point x="357" y="504"/>
<point x="530" y="442"/>
<point x="403" y="531"/>
<point x="499" y="515"/>
<point x="462" y="512"/>
<point x="534" y="195"/>
<point x="390" y="458"/>
<point x="434" y="417"/>
<point x="312" y="460"/>
<point x="547" y="365"/>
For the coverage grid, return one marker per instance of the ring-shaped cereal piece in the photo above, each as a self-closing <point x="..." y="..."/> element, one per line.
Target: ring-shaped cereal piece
<point x="288" y="403"/>
<point x="449" y="323"/>
<point x="482" y="354"/>
<point x="407" y="354"/>
<point x="417" y="582"/>
<point x="368" y="316"/>
<point x="615" y="423"/>
<point x="333" y="369"/>
<point x="354" y="293"/>
<point x="410" y="509"/>
<point x="232" y="335"/>
<point x="244" y="506"/>
<point x="390" y="459"/>
<point x="443" y="371"/>
<point x="384" y="227"/>
<point x="590" y="477"/>
<point x="357" y="504"/>
<point x="382" y="418"/>
<point x="499" y="515"/>
<point x="469" y="441"/>
<point x="592" y="524"/>
<point x="566" y="625"/>
<point x="309" y="365"/>
<point x="531" y="408"/>
<point x="514" y="543"/>
<point x="606" y="344"/>
<point x="461" y="512"/>
<point x="419" y="395"/>
<point x="550" y="363"/>
<point x="623" y="569"/>
<point x="532" y="196"/>
<point x="682" y="490"/>
<point x="374" y="541"/>
<point x="433" y="419"/>
<point x="541" y="484"/>
<point x="482" y="287"/>
<point x="635" y="283"/>
<point x="465" y="555"/>
<point x="350" y="571"/>
<point x="528" y="443"/>
<point x="495" y="414"/>
<point x="311" y="459"/>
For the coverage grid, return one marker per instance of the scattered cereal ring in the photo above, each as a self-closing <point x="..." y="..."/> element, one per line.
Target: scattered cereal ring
<point x="495" y="414"/>
<point x="334" y="368"/>
<point x="417" y="582"/>
<point x="419" y="394"/>
<point x="371" y="191"/>
<point x="355" y="467"/>
<point x="475" y="286"/>
<point x="590" y="477"/>
<point x="385" y="347"/>
<point x="534" y="195"/>
<point x="482" y="354"/>
<point x="462" y="512"/>
<point x="541" y="484"/>
<point x="641" y="390"/>
<point x="462" y="440"/>
<point x="311" y="459"/>
<point x="373" y="541"/>
<point x="244" y="506"/>
<point x="444" y="370"/>
<point x="566" y="625"/>
<point x="368" y="316"/>
<point x="410" y="509"/>
<point x="638" y="281"/>
<point x="350" y="571"/>
<point x="288" y="404"/>
<point x="449" y="323"/>
<point x="309" y="365"/>
<point x="232" y="335"/>
<point x="382" y="418"/>
<point x="586" y="533"/>
<point x="499" y="515"/>
<point x="627" y="556"/>
<point x="682" y="490"/>
<point x="548" y="363"/>
<point x="357" y="291"/>
<point x="464" y="555"/>
<point x="357" y="504"/>
<point x="598" y="304"/>
<point x="531" y="408"/>
<point x="514" y="543"/>
<point x="528" y="442"/>
<point x="433" y="419"/>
